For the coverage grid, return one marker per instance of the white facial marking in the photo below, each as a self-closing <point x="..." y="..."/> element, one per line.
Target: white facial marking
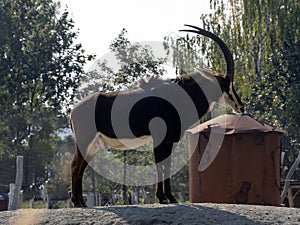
<point x="226" y="101"/>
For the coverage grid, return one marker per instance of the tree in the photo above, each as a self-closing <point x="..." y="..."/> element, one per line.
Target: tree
<point x="135" y="62"/>
<point x="186" y="53"/>
<point x="58" y="182"/>
<point x="40" y="65"/>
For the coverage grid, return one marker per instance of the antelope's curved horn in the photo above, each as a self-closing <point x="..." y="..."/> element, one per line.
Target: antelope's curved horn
<point x="226" y="52"/>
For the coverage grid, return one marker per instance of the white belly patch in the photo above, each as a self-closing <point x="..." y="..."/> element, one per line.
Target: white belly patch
<point x="123" y="143"/>
<point x="88" y="140"/>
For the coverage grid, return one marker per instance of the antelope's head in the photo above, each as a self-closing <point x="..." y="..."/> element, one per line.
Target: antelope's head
<point x="229" y="96"/>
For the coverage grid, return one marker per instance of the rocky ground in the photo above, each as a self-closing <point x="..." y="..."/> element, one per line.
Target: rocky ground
<point x="156" y="214"/>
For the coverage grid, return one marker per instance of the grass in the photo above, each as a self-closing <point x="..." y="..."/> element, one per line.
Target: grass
<point x="42" y="204"/>
<point x="35" y="205"/>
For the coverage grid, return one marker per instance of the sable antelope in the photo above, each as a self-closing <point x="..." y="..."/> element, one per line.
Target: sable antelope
<point x="98" y="119"/>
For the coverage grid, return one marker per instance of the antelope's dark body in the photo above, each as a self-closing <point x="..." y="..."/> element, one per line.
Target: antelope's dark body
<point x="148" y="108"/>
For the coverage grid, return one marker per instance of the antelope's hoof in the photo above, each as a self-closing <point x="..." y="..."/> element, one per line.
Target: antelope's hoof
<point x="80" y="205"/>
<point x="165" y="201"/>
<point x="173" y="201"/>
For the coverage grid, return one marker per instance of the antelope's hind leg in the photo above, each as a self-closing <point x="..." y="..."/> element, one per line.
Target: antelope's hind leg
<point x="78" y="166"/>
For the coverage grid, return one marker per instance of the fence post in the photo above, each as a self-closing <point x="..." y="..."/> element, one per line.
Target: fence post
<point x="289" y="177"/>
<point x="16" y="188"/>
<point x="11" y="195"/>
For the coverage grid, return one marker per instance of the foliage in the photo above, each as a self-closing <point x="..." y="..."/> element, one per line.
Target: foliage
<point x="186" y="53"/>
<point x="34" y="205"/>
<point x="40" y="67"/>
<point x="58" y="182"/>
<point x="135" y="61"/>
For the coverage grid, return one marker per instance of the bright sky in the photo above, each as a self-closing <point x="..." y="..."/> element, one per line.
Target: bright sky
<point x="145" y="20"/>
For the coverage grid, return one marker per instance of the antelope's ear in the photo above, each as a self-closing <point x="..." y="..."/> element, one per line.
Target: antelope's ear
<point x="183" y="73"/>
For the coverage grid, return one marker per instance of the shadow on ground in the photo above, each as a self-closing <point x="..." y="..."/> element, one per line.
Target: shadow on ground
<point x="177" y="214"/>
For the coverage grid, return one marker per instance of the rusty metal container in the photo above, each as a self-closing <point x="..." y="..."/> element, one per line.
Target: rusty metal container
<point x="242" y="168"/>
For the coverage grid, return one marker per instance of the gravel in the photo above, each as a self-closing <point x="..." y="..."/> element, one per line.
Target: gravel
<point x="204" y="213"/>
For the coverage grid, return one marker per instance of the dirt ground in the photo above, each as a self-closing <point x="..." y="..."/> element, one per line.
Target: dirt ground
<point x="156" y="214"/>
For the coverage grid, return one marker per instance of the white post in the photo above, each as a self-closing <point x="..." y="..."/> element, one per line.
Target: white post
<point x="181" y="199"/>
<point x="144" y="193"/>
<point x="31" y="203"/>
<point x="11" y="195"/>
<point x="15" y="192"/>
<point x="90" y="200"/>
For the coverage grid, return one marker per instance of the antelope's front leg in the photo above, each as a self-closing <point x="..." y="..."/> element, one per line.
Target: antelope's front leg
<point x="167" y="183"/>
<point x="162" y="155"/>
